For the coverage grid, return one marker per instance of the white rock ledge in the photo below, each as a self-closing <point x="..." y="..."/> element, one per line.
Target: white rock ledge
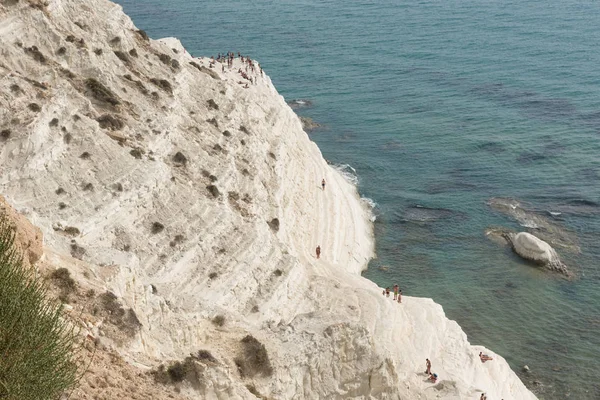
<point x="329" y="332"/>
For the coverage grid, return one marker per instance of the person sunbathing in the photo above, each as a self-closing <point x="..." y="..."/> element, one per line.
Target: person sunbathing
<point x="484" y="357"/>
<point x="433" y="378"/>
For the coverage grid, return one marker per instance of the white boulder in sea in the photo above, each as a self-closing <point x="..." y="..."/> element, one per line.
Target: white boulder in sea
<point x="534" y="249"/>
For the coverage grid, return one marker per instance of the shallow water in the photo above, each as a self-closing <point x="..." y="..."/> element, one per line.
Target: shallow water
<point x="441" y="106"/>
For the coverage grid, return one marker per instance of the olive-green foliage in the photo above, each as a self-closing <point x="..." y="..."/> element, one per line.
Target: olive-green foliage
<point x="36" y="343"/>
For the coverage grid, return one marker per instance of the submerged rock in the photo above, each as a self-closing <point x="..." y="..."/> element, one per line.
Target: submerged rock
<point x="308" y="124"/>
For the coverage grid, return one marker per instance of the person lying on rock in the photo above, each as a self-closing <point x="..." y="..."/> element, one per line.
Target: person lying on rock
<point x="484" y="357"/>
<point x="433" y="378"/>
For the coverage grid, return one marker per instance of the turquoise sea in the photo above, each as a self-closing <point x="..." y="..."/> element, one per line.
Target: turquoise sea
<point x="441" y="106"/>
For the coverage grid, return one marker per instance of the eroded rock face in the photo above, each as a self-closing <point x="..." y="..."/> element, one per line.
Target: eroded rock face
<point x="531" y="248"/>
<point x="183" y="239"/>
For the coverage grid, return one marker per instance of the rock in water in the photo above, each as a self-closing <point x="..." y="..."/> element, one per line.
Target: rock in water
<point x="531" y="248"/>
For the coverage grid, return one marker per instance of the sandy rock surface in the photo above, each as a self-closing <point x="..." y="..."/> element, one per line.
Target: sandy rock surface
<point x="189" y="193"/>
<point x="28" y="239"/>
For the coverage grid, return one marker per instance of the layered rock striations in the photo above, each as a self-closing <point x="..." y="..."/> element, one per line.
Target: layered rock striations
<point x="190" y="196"/>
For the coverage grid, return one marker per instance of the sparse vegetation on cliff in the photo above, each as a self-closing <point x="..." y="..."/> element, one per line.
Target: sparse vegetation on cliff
<point x="36" y="343"/>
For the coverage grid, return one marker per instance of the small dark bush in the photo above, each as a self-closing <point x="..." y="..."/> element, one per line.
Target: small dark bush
<point x="252" y="389"/>
<point x="88" y="187"/>
<point x="5" y="134"/>
<point x="157" y="227"/>
<point x="277" y="272"/>
<point x="77" y="251"/>
<point x="205" y="355"/>
<point x="164" y="58"/>
<point x="254" y="359"/>
<point x="219" y="320"/>
<point x="164" y="84"/>
<point x="212" y="105"/>
<point x="36" y="54"/>
<point x="101" y="92"/>
<point x="67" y="138"/>
<point x="76" y="117"/>
<point x="122" y="56"/>
<point x="62" y="206"/>
<point x="61" y="51"/>
<point x="110" y="122"/>
<point x="213" y="190"/>
<point x="118" y="187"/>
<point x="175" y="64"/>
<point x="136" y="153"/>
<point x="72" y="231"/>
<point x="60" y="191"/>
<point x="126" y="320"/>
<point x="212" y="275"/>
<point x="15" y="88"/>
<point x="54" y="122"/>
<point x="243" y="129"/>
<point x="70" y="39"/>
<point x="98" y="52"/>
<point x="62" y="279"/>
<point x="176" y="240"/>
<point x="217" y="147"/>
<point x="274" y="224"/>
<point x="226" y="133"/>
<point x="245" y="172"/>
<point x="115" y="41"/>
<point x="34" y="107"/>
<point x="179" y="158"/>
<point x="243" y="142"/>
<point x="85" y="155"/>
<point x="133" y="53"/>
<point x="143" y="35"/>
<point x="255" y="309"/>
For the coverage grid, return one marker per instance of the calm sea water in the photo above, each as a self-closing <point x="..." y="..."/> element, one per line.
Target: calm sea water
<point x="445" y="105"/>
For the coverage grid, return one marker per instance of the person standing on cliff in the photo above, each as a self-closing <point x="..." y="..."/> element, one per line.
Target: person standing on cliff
<point x="399" y="295"/>
<point x="323" y="184"/>
<point x="318" y="252"/>
<point x="395" y="291"/>
<point x="428" y="363"/>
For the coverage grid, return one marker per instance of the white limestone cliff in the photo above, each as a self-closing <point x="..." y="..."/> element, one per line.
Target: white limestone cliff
<point x="193" y="197"/>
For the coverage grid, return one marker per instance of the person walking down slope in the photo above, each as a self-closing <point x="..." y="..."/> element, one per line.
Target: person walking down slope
<point x="399" y="295"/>
<point x="318" y="252"/>
<point x="395" y="291"/>
<point x="323" y="184"/>
<point x="428" y="364"/>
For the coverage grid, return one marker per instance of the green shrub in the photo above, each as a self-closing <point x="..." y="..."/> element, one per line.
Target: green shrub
<point x="254" y="359"/>
<point x="101" y="92"/>
<point x="219" y="320"/>
<point x="36" y="343"/>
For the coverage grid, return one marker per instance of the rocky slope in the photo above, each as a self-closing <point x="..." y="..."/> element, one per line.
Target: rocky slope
<point x="189" y="197"/>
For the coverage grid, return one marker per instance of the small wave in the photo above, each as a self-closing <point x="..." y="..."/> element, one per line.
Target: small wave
<point x="299" y="103"/>
<point x="347" y="172"/>
<point x="529" y="224"/>
<point x="371" y="205"/>
<point x="554" y="213"/>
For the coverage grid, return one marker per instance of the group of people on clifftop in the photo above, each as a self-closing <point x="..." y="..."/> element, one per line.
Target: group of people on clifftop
<point x="248" y="66"/>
